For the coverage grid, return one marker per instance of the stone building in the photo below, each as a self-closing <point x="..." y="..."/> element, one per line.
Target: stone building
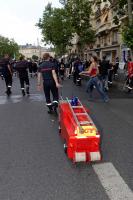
<point x="108" y="36"/>
<point x="29" y="50"/>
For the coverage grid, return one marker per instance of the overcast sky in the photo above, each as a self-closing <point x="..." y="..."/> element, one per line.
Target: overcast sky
<point x="18" y="19"/>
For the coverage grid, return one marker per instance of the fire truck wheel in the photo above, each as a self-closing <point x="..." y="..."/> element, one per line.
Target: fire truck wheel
<point x="65" y="148"/>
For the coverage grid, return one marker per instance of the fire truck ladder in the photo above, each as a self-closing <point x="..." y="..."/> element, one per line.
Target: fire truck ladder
<point x="75" y="115"/>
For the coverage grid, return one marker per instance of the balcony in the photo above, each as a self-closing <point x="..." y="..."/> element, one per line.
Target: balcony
<point x="114" y="42"/>
<point x="103" y="28"/>
<point x="91" y="46"/>
<point x="105" y="44"/>
<point x="98" y="45"/>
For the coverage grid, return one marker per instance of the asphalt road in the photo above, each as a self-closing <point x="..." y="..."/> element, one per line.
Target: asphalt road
<point x="33" y="165"/>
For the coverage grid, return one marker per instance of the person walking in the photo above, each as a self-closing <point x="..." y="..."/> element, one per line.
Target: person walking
<point x="116" y="66"/>
<point x="22" y="68"/>
<point x="30" y="67"/>
<point x="7" y="73"/>
<point x="78" y="68"/>
<point x="1" y="75"/>
<point x="34" y="68"/>
<point x="94" y="80"/>
<point x="104" y="68"/>
<point x="62" y="69"/>
<point x="110" y="74"/>
<point x="130" y="76"/>
<point x="67" y="68"/>
<point x="56" y="65"/>
<point x="47" y="72"/>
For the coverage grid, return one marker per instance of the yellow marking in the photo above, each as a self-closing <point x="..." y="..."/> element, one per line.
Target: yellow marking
<point x="87" y="131"/>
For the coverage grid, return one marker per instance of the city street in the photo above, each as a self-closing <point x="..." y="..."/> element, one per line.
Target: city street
<point x="33" y="165"/>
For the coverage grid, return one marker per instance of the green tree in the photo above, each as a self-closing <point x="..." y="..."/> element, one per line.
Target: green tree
<point x="127" y="33"/>
<point x="56" y="28"/>
<point x="125" y="7"/>
<point x="79" y="12"/>
<point x="127" y="29"/>
<point x="8" y="46"/>
<point x="35" y="57"/>
<point x="58" y="25"/>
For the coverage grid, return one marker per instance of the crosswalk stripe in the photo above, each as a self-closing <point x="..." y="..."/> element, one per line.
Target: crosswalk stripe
<point x="112" y="182"/>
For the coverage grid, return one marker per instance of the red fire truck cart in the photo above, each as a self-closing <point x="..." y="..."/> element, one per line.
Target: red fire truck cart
<point x="80" y="135"/>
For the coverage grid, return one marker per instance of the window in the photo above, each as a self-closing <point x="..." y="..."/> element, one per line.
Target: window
<point x="98" y="22"/>
<point x="109" y="38"/>
<point x="115" y="36"/>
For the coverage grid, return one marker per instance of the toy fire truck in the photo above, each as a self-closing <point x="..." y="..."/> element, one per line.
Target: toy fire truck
<point x="80" y="135"/>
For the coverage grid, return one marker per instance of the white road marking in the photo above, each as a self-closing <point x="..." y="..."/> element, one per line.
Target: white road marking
<point x="114" y="185"/>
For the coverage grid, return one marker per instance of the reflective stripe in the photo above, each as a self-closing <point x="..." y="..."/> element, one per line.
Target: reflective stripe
<point x="55" y="101"/>
<point x="130" y="88"/>
<point x="9" y="86"/>
<point x="95" y="156"/>
<point x="48" y="104"/>
<point x="80" y="156"/>
<point x="46" y="69"/>
<point x="22" y="88"/>
<point x="98" y="136"/>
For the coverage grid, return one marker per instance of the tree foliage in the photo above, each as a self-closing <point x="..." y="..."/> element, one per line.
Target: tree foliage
<point x="35" y="57"/>
<point x="8" y="46"/>
<point x="58" y="25"/>
<point x="79" y="12"/>
<point x="127" y="27"/>
<point x="56" y="28"/>
<point x="127" y="34"/>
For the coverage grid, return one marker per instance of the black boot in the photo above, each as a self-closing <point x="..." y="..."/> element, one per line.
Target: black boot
<point x="27" y="90"/>
<point x="50" y="111"/>
<point x="23" y="92"/>
<point x="55" y="106"/>
<point x="8" y="92"/>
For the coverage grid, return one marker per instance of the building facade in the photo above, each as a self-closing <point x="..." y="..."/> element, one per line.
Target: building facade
<point x="108" y="36"/>
<point x="29" y="50"/>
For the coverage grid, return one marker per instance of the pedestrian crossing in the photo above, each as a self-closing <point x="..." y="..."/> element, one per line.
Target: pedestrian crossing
<point x="114" y="185"/>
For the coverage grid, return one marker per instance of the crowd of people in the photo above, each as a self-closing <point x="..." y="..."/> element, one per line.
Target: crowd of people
<point x="100" y="72"/>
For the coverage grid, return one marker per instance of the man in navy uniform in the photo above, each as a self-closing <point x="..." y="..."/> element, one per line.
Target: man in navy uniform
<point x="7" y="72"/>
<point x="22" y="69"/>
<point x="47" y="72"/>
